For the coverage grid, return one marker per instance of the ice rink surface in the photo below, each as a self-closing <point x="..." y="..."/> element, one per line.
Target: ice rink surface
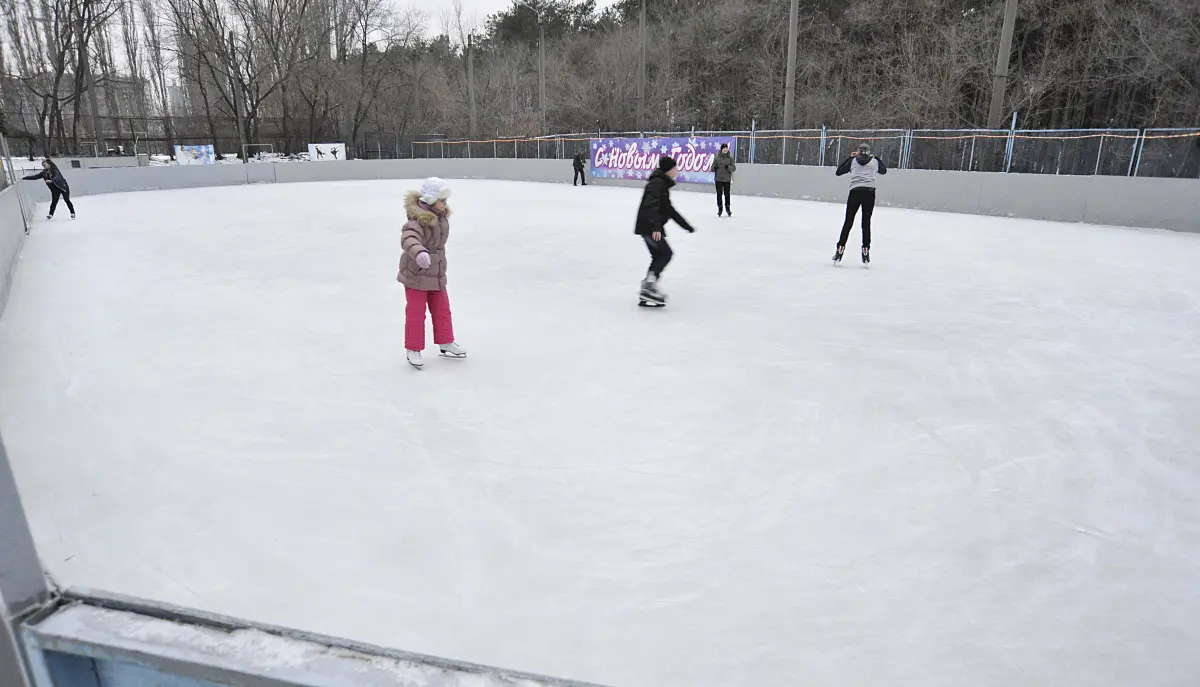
<point x="976" y="463"/>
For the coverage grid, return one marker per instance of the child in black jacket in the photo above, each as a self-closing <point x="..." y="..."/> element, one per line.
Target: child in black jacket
<point x="652" y="217"/>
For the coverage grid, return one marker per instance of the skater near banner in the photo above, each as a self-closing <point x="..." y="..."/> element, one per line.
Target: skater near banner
<point x="723" y="168"/>
<point x="423" y="271"/>
<point x="861" y="167"/>
<point x="578" y="163"/>
<point x="653" y="213"/>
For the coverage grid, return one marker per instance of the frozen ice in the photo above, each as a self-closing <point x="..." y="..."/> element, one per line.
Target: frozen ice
<point x="976" y="462"/>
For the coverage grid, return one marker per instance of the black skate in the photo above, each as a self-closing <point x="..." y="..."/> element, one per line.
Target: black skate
<point x="729" y="212"/>
<point x="650" y="296"/>
<point x="866" y="256"/>
<point x="837" y="256"/>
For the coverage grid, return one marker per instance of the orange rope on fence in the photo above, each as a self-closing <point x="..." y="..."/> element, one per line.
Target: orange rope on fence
<point x="501" y="140"/>
<point x="1184" y="135"/>
<point x="832" y="137"/>
<point x="829" y="137"/>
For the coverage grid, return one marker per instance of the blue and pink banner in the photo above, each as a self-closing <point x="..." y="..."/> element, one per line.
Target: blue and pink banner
<point x="635" y="158"/>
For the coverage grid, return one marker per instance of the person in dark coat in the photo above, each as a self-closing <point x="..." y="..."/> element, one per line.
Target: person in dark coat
<point x="653" y="213"/>
<point x="723" y="168"/>
<point x="56" y="183"/>
<point x="578" y="163"/>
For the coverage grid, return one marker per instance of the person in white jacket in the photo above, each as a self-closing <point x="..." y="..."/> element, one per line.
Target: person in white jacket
<point x="862" y="168"/>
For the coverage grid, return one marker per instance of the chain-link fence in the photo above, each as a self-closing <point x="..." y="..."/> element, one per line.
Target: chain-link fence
<point x="1111" y="152"/>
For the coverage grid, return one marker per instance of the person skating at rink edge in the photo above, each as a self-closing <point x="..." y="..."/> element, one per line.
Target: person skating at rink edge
<point x="723" y="168"/>
<point x="578" y="163"/>
<point x="653" y="213"/>
<point x="57" y="184"/>
<point x="862" y="168"/>
<point x="423" y="271"/>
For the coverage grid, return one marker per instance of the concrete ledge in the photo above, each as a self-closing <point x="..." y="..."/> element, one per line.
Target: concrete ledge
<point x="127" y="641"/>
<point x="1128" y="201"/>
<point x="1033" y="196"/>
<point x="1122" y="201"/>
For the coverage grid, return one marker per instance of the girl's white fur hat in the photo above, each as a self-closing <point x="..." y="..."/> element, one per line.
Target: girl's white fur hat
<point x="433" y="190"/>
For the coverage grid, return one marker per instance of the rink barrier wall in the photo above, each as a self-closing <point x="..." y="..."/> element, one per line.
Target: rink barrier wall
<point x="12" y="237"/>
<point x="1121" y="201"/>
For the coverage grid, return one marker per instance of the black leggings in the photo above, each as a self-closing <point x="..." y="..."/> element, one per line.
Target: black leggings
<point x="579" y="176"/>
<point x="723" y="188"/>
<point x="55" y="192"/>
<point x="859" y="197"/>
<point x="660" y="254"/>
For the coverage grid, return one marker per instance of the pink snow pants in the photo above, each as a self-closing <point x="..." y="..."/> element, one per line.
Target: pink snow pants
<point x="414" y="318"/>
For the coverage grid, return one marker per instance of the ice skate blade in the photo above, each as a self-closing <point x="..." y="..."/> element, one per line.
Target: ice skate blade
<point x="447" y="354"/>
<point x="651" y="304"/>
<point x="416" y="366"/>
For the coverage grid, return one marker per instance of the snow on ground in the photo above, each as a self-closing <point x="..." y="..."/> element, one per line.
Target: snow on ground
<point x="974" y="463"/>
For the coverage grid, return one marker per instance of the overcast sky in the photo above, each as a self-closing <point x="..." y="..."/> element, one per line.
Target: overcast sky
<point x="480" y="8"/>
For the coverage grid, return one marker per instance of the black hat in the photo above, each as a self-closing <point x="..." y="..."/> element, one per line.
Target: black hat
<point x="666" y="163"/>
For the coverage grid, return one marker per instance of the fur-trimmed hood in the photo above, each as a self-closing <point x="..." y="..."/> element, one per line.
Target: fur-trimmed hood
<point x="420" y="211"/>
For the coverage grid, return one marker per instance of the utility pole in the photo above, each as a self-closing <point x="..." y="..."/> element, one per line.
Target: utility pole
<point x="641" y="88"/>
<point x="416" y="91"/>
<point x="789" y="88"/>
<point x="235" y="95"/>
<point x="1000" y="79"/>
<point x="471" y="85"/>
<point x="90" y="84"/>
<point x="541" y="60"/>
<point x="542" y="69"/>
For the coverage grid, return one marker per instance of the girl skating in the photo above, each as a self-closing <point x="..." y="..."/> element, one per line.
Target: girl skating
<point x="423" y="271"/>
<point x="861" y="167"/>
<point x="56" y="183"/>
<point x="652" y="217"/>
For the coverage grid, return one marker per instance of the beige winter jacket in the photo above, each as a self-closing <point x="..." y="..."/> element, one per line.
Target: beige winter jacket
<point x="426" y="231"/>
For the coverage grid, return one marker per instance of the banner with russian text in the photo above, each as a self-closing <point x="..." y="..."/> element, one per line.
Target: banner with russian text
<point x="635" y="158"/>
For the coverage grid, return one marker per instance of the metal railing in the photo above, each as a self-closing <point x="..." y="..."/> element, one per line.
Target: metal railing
<point x="1111" y="152"/>
<point x="10" y="175"/>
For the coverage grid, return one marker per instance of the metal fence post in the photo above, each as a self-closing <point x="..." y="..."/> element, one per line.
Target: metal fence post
<point x="1141" y="149"/>
<point x="971" y="161"/>
<point x="1099" y="152"/>
<point x="23" y="201"/>
<point x="1008" y="149"/>
<point x="821" y="158"/>
<point x="468" y="150"/>
<point x="753" y="130"/>
<point x="495" y="152"/>
<point x="1137" y="137"/>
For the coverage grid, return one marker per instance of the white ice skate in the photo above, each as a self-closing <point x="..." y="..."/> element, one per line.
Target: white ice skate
<point x="452" y="350"/>
<point x="414" y="358"/>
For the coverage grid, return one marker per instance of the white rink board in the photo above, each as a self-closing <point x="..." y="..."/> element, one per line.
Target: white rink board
<point x="974" y="463"/>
